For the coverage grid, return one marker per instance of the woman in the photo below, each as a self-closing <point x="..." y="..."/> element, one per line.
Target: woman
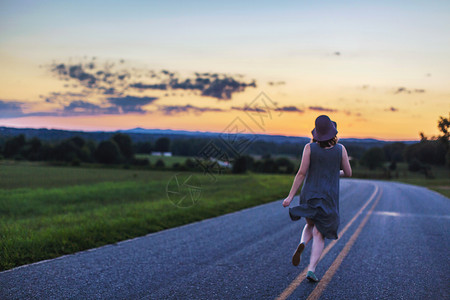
<point x="323" y="161"/>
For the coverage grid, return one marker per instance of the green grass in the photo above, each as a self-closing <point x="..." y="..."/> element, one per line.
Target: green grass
<point x="38" y="174"/>
<point x="168" y="160"/>
<point x="440" y="183"/>
<point x="63" y="217"/>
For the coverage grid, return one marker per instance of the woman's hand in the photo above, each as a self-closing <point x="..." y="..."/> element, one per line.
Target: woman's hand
<point x="287" y="201"/>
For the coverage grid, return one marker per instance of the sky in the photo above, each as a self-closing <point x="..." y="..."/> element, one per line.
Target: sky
<point x="380" y="69"/>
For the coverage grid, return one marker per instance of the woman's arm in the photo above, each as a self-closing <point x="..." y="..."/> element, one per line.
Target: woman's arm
<point x="345" y="164"/>
<point x="301" y="174"/>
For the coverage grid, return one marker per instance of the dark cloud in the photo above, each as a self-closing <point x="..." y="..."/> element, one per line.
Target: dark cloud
<point x="76" y="72"/>
<point x="14" y="109"/>
<point x="131" y="104"/>
<point x="258" y="109"/>
<point x="337" y="53"/>
<point x="61" y="98"/>
<point x="324" y="109"/>
<point x="11" y="109"/>
<point x="408" y="91"/>
<point x="80" y="107"/>
<point x="248" y="108"/>
<point x="106" y="79"/>
<point x="393" y="109"/>
<point x="290" y="109"/>
<point x="93" y="76"/>
<point x="218" y="86"/>
<point x="139" y="85"/>
<point x="177" y="109"/>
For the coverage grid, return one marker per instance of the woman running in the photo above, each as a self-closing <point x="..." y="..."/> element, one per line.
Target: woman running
<point x="323" y="161"/>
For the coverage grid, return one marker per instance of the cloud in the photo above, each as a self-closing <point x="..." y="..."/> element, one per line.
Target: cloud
<point x="258" y="109"/>
<point x="393" y="109"/>
<point x="96" y="77"/>
<point x="409" y="91"/>
<point x="139" y="85"/>
<point x="117" y="105"/>
<point x="290" y="109"/>
<point x="222" y="89"/>
<point x="275" y="83"/>
<point x="76" y="72"/>
<point x="109" y="81"/>
<point x="324" y="109"/>
<point x="131" y="104"/>
<point x="11" y="109"/>
<point x="337" y="53"/>
<point x="177" y="109"/>
<point x="80" y="107"/>
<point x="248" y="108"/>
<point x="62" y="98"/>
<point x="219" y="86"/>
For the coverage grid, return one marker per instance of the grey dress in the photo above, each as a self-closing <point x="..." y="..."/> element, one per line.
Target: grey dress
<point x="319" y="198"/>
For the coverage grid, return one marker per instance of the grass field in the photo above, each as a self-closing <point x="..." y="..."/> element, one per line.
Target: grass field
<point x="168" y="160"/>
<point x="47" y="211"/>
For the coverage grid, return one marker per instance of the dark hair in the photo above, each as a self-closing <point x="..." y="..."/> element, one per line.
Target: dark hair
<point x="328" y="143"/>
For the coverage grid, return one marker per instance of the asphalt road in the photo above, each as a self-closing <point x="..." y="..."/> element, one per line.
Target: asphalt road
<point x="395" y="245"/>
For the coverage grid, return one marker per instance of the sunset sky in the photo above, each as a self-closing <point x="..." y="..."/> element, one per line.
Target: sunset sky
<point x="380" y="69"/>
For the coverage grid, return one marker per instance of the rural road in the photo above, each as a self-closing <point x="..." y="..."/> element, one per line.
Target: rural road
<point x="393" y="243"/>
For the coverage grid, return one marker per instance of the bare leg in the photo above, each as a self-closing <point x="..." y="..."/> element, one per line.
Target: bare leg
<point x="307" y="233"/>
<point x="317" y="249"/>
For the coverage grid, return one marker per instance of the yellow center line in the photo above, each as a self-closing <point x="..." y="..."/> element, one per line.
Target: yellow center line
<point x="337" y="262"/>
<point x="298" y="280"/>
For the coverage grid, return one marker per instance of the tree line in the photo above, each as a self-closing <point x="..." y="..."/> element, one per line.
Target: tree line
<point x="120" y="149"/>
<point x="420" y="156"/>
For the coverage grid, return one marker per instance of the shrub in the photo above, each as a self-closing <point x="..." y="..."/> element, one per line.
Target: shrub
<point x="239" y="165"/>
<point x="107" y="152"/>
<point x="160" y="163"/>
<point x="143" y="162"/>
<point x="373" y="158"/>
<point x="415" y="165"/>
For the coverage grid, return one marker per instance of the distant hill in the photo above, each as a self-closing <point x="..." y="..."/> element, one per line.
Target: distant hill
<point x="141" y="134"/>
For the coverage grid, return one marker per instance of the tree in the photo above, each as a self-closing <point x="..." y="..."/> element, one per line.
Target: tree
<point x="78" y="141"/>
<point x="269" y="166"/>
<point x="190" y="164"/>
<point x="373" y="158"/>
<point x="394" y="151"/>
<point x="67" y="151"/>
<point x="32" y="149"/>
<point x="162" y="144"/>
<point x="241" y="164"/>
<point x="427" y="152"/>
<point x="284" y="165"/>
<point x="142" y="147"/>
<point x="160" y="163"/>
<point x="14" y="145"/>
<point x="444" y="126"/>
<point x="125" y="144"/>
<point x="108" y="152"/>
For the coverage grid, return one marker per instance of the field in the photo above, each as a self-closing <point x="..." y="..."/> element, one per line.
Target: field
<point x="168" y="160"/>
<point x="47" y="211"/>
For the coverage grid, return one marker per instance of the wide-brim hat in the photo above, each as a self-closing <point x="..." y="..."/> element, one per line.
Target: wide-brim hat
<point x="325" y="129"/>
